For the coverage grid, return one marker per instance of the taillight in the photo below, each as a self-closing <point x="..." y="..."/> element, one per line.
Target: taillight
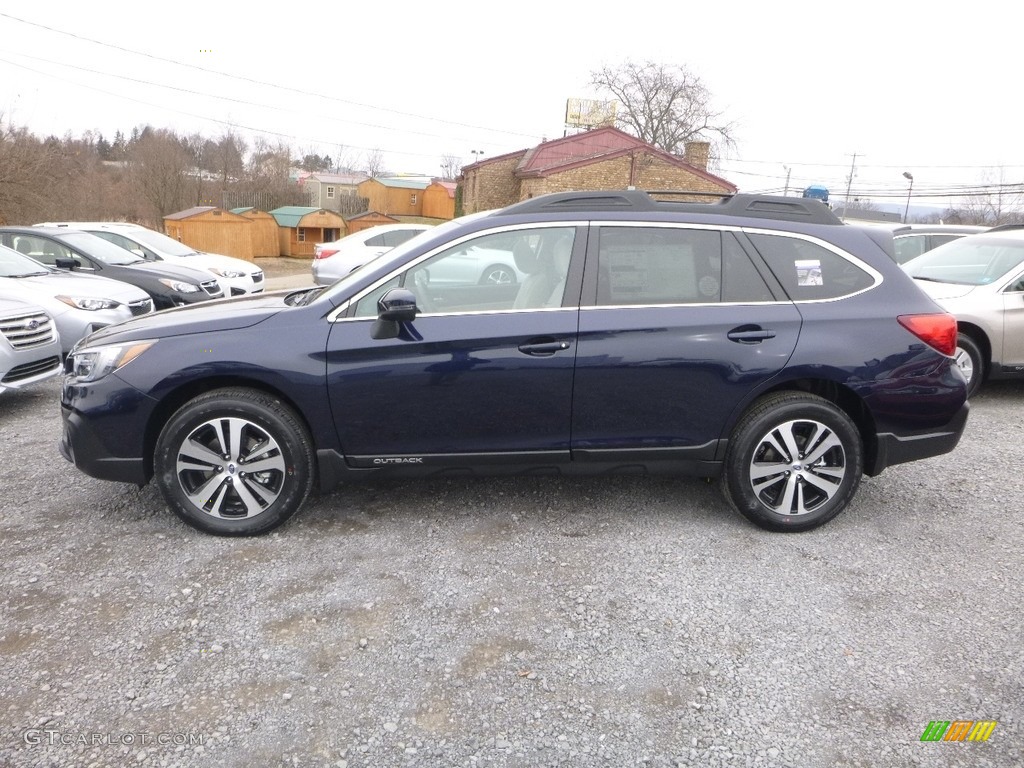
<point x="324" y="254"/>
<point x="936" y="330"/>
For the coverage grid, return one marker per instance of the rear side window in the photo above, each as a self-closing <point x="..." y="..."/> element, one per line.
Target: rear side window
<point x="659" y="265"/>
<point x="808" y="271"/>
<point x="909" y="246"/>
<point x="399" y="236"/>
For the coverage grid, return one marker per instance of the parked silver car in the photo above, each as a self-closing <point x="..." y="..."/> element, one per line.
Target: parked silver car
<point x="29" y="345"/>
<point x="334" y="260"/>
<point x="980" y="280"/>
<point x="79" y="304"/>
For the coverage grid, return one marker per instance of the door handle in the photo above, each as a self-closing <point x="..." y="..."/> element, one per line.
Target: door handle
<point x="544" y="348"/>
<point x="750" y="334"/>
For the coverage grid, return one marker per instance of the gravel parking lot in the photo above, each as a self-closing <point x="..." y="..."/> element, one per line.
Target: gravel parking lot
<point x="513" y="622"/>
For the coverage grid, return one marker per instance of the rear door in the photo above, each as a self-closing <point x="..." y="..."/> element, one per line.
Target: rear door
<point x="682" y="325"/>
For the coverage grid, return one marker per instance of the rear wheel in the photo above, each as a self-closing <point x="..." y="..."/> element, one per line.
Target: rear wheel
<point x="234" y="462"/>
<point x="970" y="362"/>
<point x="794" y="462"/>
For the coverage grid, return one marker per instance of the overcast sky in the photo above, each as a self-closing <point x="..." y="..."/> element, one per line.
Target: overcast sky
<point x="925" y="87"/>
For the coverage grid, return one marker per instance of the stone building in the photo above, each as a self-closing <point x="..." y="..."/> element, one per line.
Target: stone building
<point x="604" y="158"/>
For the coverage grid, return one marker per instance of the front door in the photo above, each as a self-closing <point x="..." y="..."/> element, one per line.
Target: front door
<point x="486" y="368"/>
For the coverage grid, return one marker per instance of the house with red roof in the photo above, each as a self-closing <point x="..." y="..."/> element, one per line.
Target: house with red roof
<point x="604" y="158"/>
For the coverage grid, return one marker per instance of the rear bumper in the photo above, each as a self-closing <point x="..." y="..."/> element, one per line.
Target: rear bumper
<point x="899" y="449"/>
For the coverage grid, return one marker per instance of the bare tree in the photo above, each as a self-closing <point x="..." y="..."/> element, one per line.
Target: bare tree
<point x="375" y="163"/>
<point x="161" y="164"/>
<point x="23" y="183"/>
<point x="451" y="165"/>
<point x="664" y="105"/>
<point x="994" y="202"/>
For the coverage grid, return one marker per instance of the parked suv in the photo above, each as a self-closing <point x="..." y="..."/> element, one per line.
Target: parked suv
<point x="756" y="340"/>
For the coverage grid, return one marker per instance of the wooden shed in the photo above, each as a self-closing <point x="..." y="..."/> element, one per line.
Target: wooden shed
<point x="300" y="228"/>
<point x="265" y="240"/>
<point x="439" y="200"/>
<point x="211" y="229"/>
<point x="394" y="196"/>
<point x="367" y="219"/>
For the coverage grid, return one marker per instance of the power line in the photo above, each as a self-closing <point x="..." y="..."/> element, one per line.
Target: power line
<point x="289" y="89"/>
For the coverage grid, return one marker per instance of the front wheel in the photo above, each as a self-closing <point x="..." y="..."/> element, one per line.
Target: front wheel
<point x="970" y="362"/>
<point x="498" y="274"/>
<point x="794" y="462"/>
<point x="234" y="462"/>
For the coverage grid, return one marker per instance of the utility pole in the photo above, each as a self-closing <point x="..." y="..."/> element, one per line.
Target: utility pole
<point x="788" y="171"/>
<point x="849" y="184"/>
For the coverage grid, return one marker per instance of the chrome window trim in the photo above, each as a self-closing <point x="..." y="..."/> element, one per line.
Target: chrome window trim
<point x="333" y="316"/>
<point x="874" y="273"/>
<point x="703" y="304"/>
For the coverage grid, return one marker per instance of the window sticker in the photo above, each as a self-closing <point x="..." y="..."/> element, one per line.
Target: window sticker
<point x="808" y="272"/>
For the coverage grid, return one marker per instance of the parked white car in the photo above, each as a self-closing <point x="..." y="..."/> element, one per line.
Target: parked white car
<point x="29" y="345"/>
<point x="236" y="276"/>
<point x="78" y="303"/>
<point x="334" y="260"/>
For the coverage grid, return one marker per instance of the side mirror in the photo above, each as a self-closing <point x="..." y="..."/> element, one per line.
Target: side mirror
<point x="395" y="307"/>
<point x="397" y="304"/>
<point x="62" y="263"/>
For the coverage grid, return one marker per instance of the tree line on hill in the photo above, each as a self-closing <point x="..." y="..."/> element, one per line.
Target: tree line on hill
<point x="142" y="176"/>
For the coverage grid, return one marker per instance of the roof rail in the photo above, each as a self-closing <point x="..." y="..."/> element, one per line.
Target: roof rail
<point x="1002" y="227"/>
<point x="625" y="200"/>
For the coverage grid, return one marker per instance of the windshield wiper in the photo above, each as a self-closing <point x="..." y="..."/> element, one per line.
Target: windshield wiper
<point x="27" y="274"/>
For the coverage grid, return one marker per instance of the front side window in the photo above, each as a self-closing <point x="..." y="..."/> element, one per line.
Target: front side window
<point x="808" y="271"/>
<point x="412" y="199"/>
<point x="521" y="270"/>
<point x="330" y="193"/>
<point x="302" y="235"/>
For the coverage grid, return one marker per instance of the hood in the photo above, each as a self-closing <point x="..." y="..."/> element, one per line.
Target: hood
<point x="169" y="270"/>
<point x="10" y="306"/>
<point x="220" y="261"/>
<point x="940" y="291"/>
<point x="72" y="284"/>
<point x="207" y="316"/>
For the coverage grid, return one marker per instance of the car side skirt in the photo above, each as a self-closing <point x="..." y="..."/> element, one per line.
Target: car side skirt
<point x="696" y="461"/>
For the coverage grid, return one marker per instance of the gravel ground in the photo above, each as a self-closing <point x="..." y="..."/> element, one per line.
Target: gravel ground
<point x="513" y="622"/>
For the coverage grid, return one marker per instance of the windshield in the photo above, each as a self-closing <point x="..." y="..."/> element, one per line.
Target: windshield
<point x="99" y="249"/>
<point x="14" y="264"/>
<point x="397" y="254"/>
<point x="160" y="242"/>
<point x="973" y="260"/>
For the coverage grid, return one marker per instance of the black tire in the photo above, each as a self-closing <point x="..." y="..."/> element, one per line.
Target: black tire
<point x="790" y="494"/>
<point x="211" y="489"/>
<point x="498" y="274"/>
<point x="970" y="362"/>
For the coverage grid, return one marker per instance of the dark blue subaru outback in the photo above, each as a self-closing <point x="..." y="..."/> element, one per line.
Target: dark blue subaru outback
<point x="755" y="339"/>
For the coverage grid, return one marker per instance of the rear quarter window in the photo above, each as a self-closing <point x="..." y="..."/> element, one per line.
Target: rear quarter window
<point x="808" y="271"/>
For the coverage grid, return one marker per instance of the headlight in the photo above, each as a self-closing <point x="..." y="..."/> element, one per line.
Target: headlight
<point x="180" y="287"/>
<point x="229" y="273"/>
<point x="87" y="302"/>
<point x="92" y="364"/>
